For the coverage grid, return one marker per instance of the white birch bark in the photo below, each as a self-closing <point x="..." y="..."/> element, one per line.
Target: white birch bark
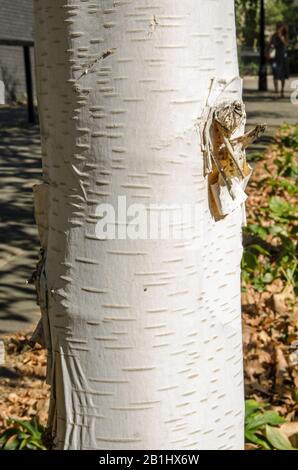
<point x="144" y="336"/>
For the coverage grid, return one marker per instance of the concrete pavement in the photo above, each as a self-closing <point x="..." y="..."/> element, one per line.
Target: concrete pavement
<point x="269" y="108"/>
<point x="19" y="169"/>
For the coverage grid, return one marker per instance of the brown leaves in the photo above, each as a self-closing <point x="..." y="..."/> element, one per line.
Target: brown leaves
<point x="270" y="321"/>
<point x="270" y="354"/>
<point x="23" y="392"/>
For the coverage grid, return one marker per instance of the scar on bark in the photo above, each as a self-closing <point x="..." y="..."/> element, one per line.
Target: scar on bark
<point x="153" y="24"/>
<point x="90" y="66"/>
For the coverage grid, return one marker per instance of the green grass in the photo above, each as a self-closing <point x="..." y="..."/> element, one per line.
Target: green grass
<point x="22" y="434"/>
<point x="262" y="427"/>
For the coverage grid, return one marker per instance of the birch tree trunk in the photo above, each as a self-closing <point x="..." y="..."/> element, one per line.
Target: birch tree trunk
<point x="143" y="336"/>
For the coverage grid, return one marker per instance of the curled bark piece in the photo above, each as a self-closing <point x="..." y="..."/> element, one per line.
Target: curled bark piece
<point x="224" y="202"/>
<point x="224" y="152"/>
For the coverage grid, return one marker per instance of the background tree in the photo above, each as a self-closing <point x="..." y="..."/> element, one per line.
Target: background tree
<point x="247" y="17"/>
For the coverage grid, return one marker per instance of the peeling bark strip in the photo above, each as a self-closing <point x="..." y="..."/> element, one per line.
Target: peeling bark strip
<point x="224" y="149"/>
<point x="144" y="336"/>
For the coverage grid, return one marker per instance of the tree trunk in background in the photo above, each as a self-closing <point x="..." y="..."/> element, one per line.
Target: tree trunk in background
<point x="144" y="336"/>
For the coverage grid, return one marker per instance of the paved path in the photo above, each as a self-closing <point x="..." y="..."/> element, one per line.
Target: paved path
<point x="269" y="108"/>
<point x="20" y="168"/>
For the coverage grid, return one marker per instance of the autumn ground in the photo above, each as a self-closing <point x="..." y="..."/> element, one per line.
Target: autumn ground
<point x="269" y="271"/>
<point x="270" y="324"/>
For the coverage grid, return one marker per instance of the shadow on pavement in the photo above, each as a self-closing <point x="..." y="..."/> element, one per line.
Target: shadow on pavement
<point x="20" y="168"/>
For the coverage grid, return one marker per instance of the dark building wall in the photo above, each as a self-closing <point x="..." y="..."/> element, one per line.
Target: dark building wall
<point x="16" y="19"/>
<point x="16" y="23"/>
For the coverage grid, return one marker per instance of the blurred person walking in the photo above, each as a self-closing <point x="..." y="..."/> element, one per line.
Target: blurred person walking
<point x="279" y="56"/>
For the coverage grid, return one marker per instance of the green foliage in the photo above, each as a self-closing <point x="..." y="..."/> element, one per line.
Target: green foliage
<point x="278" y="440"/>
<point x="248" y="67"/>
<point x="282" y="185"/>
<point x="261" y="427"/>
<point x="280" y="210"/>
<point x="22" y="435"/>
<point x="288" y="135"/>
<point x="271" y="243"/>
<point x="283" y="10"/>
<point x="275" y="11"/>
<point x="260" y="266"/>
<point x="257" y="269"/>
<point x="247" y="20"/>
<point x="247" y="13"/>
<point x="254" y="156"/>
